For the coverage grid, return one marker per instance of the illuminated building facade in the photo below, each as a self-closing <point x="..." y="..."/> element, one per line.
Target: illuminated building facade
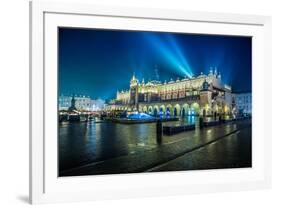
<point x="82" y="103"/>
<point x="98" y="105"/>
<point x="243" y="102"/>
<point x="201" y="95"/>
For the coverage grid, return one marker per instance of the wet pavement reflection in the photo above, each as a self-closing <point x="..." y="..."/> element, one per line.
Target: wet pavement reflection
<point x="88" y="142"/>
<point x="233" y="151"/>
<point x="82" y="143"/>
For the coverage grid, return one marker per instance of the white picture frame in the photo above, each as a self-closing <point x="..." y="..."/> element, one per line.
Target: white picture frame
<point x="46" y="187"/>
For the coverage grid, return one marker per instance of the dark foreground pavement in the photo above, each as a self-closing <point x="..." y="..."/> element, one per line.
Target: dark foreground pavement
<point x="179" y="152"/>
<point x="233" y="151"/>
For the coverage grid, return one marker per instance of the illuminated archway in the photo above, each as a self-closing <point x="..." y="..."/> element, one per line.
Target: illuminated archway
<point x="169" y="110"/>
<point x="144" y="109"/>
<point x="195" y="109"/>
<point x="184" y="110"/>
<point x="150" y="109"/>
<point x="162" y="109"/>
<point x="155" y="110"/>
<point x="176" y="110"/>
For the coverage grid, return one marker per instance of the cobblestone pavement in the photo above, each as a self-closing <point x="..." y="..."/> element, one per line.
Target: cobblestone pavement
<point x="233" y="151"/>
<point x="173" y="147"/>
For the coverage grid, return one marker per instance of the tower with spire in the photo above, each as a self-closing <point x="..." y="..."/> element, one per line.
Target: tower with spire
<point x="134" y="81"/>
<point x="216" y="71"/>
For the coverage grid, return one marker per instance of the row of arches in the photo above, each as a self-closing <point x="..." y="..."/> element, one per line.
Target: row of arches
<point x="172" y="110"/>
<point x="178" y="109"/>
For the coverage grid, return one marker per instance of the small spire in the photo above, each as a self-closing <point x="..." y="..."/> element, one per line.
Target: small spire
<point x="219" y="75"/>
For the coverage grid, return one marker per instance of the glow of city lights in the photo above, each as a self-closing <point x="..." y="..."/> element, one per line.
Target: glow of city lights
<point x="171" y="52"/>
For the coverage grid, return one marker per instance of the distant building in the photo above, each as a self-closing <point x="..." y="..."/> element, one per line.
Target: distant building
<point x="98" y="105"/>
<point x="200" y="95"/>
<point x="64" y="102"/>
<point x="243" y="102"/>
<point x="81" y="102"/>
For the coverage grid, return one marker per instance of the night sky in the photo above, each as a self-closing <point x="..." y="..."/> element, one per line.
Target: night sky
<point x="97" y="63"/>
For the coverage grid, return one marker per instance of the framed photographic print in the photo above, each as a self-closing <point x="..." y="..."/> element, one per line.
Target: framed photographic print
<point x="127" y="102"/>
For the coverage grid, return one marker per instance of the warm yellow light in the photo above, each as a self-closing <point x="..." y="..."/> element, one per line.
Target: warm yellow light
<point x="216" y="108"/>
<point x="226" y="108"/>
<point x="207" y="107"/>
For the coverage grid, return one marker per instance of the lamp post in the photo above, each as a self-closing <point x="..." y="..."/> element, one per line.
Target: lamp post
<point x="159" y="131"/>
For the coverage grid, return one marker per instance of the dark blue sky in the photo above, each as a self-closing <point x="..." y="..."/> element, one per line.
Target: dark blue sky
<point x="98" y="62"/>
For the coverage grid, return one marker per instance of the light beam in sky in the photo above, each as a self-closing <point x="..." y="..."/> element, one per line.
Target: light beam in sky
<point x="171" y="52"/>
